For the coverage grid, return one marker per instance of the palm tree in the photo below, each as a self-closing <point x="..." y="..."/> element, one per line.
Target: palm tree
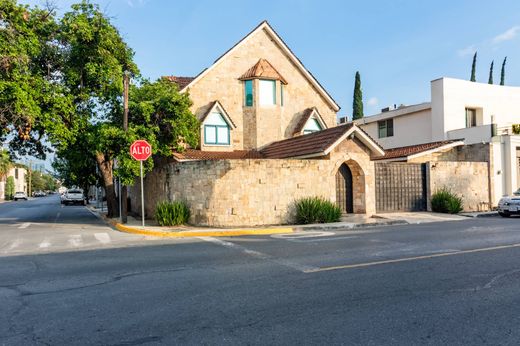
<point x="5" y="163"/>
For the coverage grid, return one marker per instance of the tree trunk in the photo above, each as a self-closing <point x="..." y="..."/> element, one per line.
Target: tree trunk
<point x="105" y="167"/>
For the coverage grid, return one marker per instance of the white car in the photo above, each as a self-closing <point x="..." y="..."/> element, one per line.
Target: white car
<point x="20" y="195"/>
<point x="73" y="196"/>
<point x="509" y="205"/>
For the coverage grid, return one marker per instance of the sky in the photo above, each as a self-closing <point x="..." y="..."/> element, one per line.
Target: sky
<point x="397" y="46"/>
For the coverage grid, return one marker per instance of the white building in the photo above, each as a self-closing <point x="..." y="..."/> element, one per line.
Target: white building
<point x="482" y="115"/>
<point x="20" y="182"/>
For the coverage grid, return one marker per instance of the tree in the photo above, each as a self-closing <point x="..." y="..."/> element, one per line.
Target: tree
<point x="473" y="68"/>
<point x="490" y="80"/>
<point x="5" y="163"/>
<point x="9" y="188"/>
<point x="503" y="72"/>
<point x="357" y="104"/>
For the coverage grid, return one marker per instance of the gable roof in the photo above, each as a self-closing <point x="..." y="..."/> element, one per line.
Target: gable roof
<point x="217" y="105"/>
<point x="318" y="143"/>
<point x="305" y="117"/>
<point x="182" y="82"/>
<point x="278" y="40"/>
<point x="263" y="69"/>
<point x="412" y="151"/>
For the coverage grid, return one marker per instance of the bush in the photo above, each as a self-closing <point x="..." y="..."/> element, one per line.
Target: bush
<point x="172" y="213"/>
<point x="444" y="201"/>
<point x="316" y="210"/>
<point x="9" y="188"/>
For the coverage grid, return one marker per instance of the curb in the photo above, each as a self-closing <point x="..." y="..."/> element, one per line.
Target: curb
<point x="351" y="226"/>
<point x="486" y="214"/>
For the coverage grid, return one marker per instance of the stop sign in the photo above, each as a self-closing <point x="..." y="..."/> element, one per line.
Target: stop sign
<point x="140" y="150"/>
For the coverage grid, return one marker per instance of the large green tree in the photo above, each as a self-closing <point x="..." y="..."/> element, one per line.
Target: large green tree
<point x="357" y="104"/>
<point x="473" y="68"/>
<point x="490" y="79"/>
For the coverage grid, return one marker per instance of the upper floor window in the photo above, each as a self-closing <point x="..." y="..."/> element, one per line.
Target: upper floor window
<point x="267" y="92"/>
<point x="385" y="128"/>
<point x="248" y="88"/>
<point x="311" y="126"/>
<point x="216" y="130"/>
<point x="471" y="117"/>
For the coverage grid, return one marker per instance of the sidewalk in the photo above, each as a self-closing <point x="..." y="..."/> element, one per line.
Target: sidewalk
<point x="348" y="222"/>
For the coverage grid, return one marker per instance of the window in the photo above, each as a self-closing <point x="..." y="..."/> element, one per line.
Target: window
<point x="216" y="130"/>
<point x="248" y="87"/>
<point x="16" y="173"/>
<point x="267" y="90"/>
<point x="471" y="117"/>
<point x="386" y="128"/>
<point x="311" y="126"/>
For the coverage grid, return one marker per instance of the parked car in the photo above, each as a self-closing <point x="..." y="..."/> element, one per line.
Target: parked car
<point x="73" y="196"/>
<point x="39" y="194"/>
<point x="509" y="205"/>
<point x="20" y="195"/>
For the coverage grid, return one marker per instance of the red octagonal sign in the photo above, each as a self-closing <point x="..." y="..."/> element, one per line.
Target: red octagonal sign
<point x="140" y="150"/>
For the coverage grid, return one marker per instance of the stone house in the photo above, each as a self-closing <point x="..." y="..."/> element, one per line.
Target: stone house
<point x="268" y="137"/>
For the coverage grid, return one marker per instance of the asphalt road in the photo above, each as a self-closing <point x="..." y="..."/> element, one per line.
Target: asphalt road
<point x="438" y="283"/>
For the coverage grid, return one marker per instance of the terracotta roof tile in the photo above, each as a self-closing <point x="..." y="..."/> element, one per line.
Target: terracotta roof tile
<point x="313" y="143"/>
<point x="192" y="154"/>
<point x="403" y="152"/>
<point x="263" y="69"/>
<point x="182" y="82"/>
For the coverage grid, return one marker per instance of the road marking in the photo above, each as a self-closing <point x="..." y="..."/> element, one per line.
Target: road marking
<point x="75" y="240"/>
<point x="25" y="225"/>
<point x="103" y="238"/>
<point x="408" y="259"/>
<point x="44" y="244"/>
<point x="15" y="244"/>
<point x="300" y="235"/>
<point x="260" y="255"/>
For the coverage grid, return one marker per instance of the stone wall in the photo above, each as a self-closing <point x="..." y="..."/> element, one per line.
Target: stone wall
<point x="252" y="192"/>
<point x="467" y="179"/>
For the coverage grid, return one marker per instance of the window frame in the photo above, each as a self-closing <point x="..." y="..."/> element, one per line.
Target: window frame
<point x="385" y="128"/>
<point x="216" y="127"/>
<point x="273" y="92"/>
<point x="249" y="82"/>
<point x="473" y="121"/>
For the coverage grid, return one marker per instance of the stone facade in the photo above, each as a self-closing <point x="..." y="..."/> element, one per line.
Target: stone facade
<point x="258" y="125"/>
<point x="253" y="192"/>
<point x="471" y="182"/>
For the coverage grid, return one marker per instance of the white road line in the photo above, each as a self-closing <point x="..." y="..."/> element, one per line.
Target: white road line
<point x="15" y="244"/>
<point x="103" y="238"/>
<point x="75" y="240"/>
<point x="299" y="267"/>
<point x="44" y="244"/>
<point x="25" y="225"/>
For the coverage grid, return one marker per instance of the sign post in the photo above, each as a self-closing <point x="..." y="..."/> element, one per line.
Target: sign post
<point x="141" y="150"/>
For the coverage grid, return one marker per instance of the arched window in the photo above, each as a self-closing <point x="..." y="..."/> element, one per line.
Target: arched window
<point x="216" y="129"/>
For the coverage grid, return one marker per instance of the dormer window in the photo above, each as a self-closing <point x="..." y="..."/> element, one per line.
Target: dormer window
<point x="311" y="126"/>
<point x="265" y="78"/>
<point x="216" y="126"/>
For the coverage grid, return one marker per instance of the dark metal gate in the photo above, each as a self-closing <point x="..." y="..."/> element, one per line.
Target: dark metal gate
<point x="400" y="186"/>
<point x="344" y="193"/>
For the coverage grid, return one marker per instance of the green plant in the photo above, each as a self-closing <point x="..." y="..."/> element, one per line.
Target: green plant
<point x="9" y="188"/>
<point x="316" y="210"/>
<point x="445" y="201"/>
<point x="172" y="213"/>
<point x="516" y="129"/>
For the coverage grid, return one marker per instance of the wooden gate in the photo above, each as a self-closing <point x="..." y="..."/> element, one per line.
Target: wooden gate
<point x="400" y="186"/>
<point x="344" y="193"/>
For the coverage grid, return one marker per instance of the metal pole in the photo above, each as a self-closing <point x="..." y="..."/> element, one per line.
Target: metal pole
<point x="142" y="193"/>
<point x="124" y="190"/>
<point x="119" y="193"/>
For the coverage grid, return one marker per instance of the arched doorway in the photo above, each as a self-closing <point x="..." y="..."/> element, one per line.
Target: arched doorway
<point x="344" y="191"/>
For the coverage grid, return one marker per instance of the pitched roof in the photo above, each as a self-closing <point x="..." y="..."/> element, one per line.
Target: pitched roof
<point x="199" y="155"/>
<point x="265" y="26"/>
<point x="182" y="82"/>
<point x="263" y="69"/>
<point x="305" y="117"/>
<point x="418" y="149"/>
<point x="217" y="104"/>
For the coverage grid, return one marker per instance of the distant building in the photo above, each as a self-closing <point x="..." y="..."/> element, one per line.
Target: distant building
<point x="20" y="182"/>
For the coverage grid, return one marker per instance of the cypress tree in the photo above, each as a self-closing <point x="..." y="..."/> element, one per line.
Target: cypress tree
<point x="357" y="105"/>
<point x="490" y="80"/>
<point x="503" y="72"/>
<point x="473" y="67"/>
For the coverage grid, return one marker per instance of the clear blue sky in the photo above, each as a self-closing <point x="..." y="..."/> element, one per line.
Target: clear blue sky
<point x="398" y="46"/>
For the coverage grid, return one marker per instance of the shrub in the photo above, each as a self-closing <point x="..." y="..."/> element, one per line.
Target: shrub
<point x="172" y="213"/>
<point x="444" y="201"/>
<point x="9" y="188"/>
<point x="316" y="210"/>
